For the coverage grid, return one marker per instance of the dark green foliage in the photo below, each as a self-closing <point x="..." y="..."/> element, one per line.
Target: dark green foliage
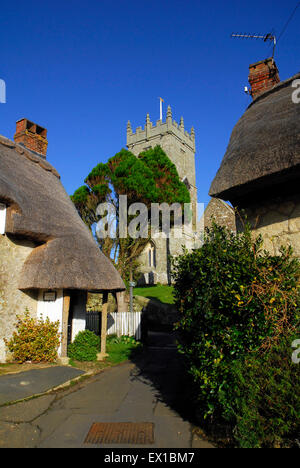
<point x="80" y="195"/>
<point x="150" y="178"/>
<point x="131" y="177"/>
<point x="236" y="302"/>
<point x="168" y="185"/>
<point x="263" y="401"/>
<point x="85" y="346"/>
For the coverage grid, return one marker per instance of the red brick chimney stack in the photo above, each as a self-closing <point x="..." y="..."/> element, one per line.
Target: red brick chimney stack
<point x="263" y="76"/>
<point x="32" y="136"/>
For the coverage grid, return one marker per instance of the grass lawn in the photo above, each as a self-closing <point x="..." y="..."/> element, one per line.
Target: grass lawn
<point x="160" y="292"/>
<point x="121" y="349"/>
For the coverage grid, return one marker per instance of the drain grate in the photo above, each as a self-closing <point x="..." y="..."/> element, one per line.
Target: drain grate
<point x="121" y="433"/>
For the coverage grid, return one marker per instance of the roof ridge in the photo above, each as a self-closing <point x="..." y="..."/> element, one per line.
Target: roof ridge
<point x="43" y="163"/>
<point x="227" y="205"/>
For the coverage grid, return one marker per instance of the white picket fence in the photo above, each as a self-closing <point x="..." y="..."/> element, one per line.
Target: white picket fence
<point x="125" y="323"/>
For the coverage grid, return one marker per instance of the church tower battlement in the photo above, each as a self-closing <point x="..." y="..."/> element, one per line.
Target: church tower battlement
<point x="161" y="128"/>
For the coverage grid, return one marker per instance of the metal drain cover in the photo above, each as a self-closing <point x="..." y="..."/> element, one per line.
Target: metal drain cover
<point x="121" y="433"/>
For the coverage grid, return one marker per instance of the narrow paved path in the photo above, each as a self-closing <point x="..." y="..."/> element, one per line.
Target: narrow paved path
<point x="147" y="390"/>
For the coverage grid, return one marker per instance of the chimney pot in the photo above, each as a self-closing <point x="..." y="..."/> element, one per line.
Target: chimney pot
<point x="32" y="136"/>
<point x="263" y="76"/>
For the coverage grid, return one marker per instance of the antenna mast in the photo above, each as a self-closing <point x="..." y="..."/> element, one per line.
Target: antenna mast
<point x="267" y="37"/>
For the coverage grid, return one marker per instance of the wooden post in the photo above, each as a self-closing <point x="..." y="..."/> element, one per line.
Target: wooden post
<point x="121" y="301"/>
<point x="65" y="318"/>
<point x="102" y="355"/>
<point x="130" y="291"/>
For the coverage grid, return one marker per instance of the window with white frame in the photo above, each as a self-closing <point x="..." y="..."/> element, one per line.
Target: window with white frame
<point x="2" y="218"/>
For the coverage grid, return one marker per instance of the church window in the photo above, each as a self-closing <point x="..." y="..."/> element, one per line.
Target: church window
<point x="186" y="182"/>
<point x="152" y="256"/>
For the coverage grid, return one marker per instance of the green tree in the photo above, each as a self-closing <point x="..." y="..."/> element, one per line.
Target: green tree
<point x="149" y="178"/>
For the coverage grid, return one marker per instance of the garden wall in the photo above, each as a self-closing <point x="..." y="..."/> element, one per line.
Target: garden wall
<point x="278" y="221"/>
<point x="13" y="253"/>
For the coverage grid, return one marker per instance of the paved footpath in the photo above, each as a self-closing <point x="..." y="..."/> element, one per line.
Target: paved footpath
<point x="147" y="390"/>
<point x="22" y="385"/>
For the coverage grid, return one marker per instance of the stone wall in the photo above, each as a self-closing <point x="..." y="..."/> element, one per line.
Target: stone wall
<point x="164" y="249"/>
<point x="13" y="302"/>
<point x="156" y="315"/>
<point x="222" y="213"/>
<point x="278" y="221"/>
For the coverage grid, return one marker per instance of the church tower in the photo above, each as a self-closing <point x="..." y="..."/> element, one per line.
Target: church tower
<point x="179" y="145"/>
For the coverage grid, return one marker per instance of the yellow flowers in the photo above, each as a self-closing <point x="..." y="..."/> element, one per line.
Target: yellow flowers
<point x="240" y="302"/>
<point x="219" y="359"/>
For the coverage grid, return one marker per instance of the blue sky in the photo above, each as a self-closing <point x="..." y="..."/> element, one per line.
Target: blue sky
<point x="82" y="69"/>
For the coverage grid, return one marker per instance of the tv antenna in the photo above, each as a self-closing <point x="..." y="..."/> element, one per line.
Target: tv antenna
<point x="267" y="37"/>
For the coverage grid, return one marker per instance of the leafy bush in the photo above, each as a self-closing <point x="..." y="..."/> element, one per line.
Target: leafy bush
<point x="236" y="301"/>
<point x="85" y="346"/>
<point x="34" y="340"/>
<point x="265" y="398"/>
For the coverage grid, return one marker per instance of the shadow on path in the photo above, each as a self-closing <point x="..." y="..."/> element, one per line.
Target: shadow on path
<point x="161" y="366"/>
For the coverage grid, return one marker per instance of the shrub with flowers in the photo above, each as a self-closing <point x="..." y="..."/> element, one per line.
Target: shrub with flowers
<point x="34" y="340"/>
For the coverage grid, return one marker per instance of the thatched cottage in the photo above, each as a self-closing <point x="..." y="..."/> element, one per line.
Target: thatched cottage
<point x="48" y="258"/>
<point x="260" y="171"/>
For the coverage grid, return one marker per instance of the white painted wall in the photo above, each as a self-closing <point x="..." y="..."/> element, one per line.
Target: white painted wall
<point x="2" y="218"/>
<point x="52" y="310"/>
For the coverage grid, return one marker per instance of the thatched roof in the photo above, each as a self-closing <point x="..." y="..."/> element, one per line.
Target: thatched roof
<point x="66" y="256"/>
<point x="264" y="148"/>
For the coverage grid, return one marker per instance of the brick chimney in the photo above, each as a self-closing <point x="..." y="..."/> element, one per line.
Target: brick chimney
<point x="263" y="76"/>
<point x="32" y="136"/>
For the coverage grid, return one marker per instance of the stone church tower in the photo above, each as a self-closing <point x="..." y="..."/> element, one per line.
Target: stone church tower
<point x="179" y="145"/>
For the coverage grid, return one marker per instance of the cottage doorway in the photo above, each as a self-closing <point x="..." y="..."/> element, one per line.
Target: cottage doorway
<point x="77" y="314"/>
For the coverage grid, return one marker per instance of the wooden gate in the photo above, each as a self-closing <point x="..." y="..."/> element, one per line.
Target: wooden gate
<point x="93" y="322"/>
<point x="118" y="323"/>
